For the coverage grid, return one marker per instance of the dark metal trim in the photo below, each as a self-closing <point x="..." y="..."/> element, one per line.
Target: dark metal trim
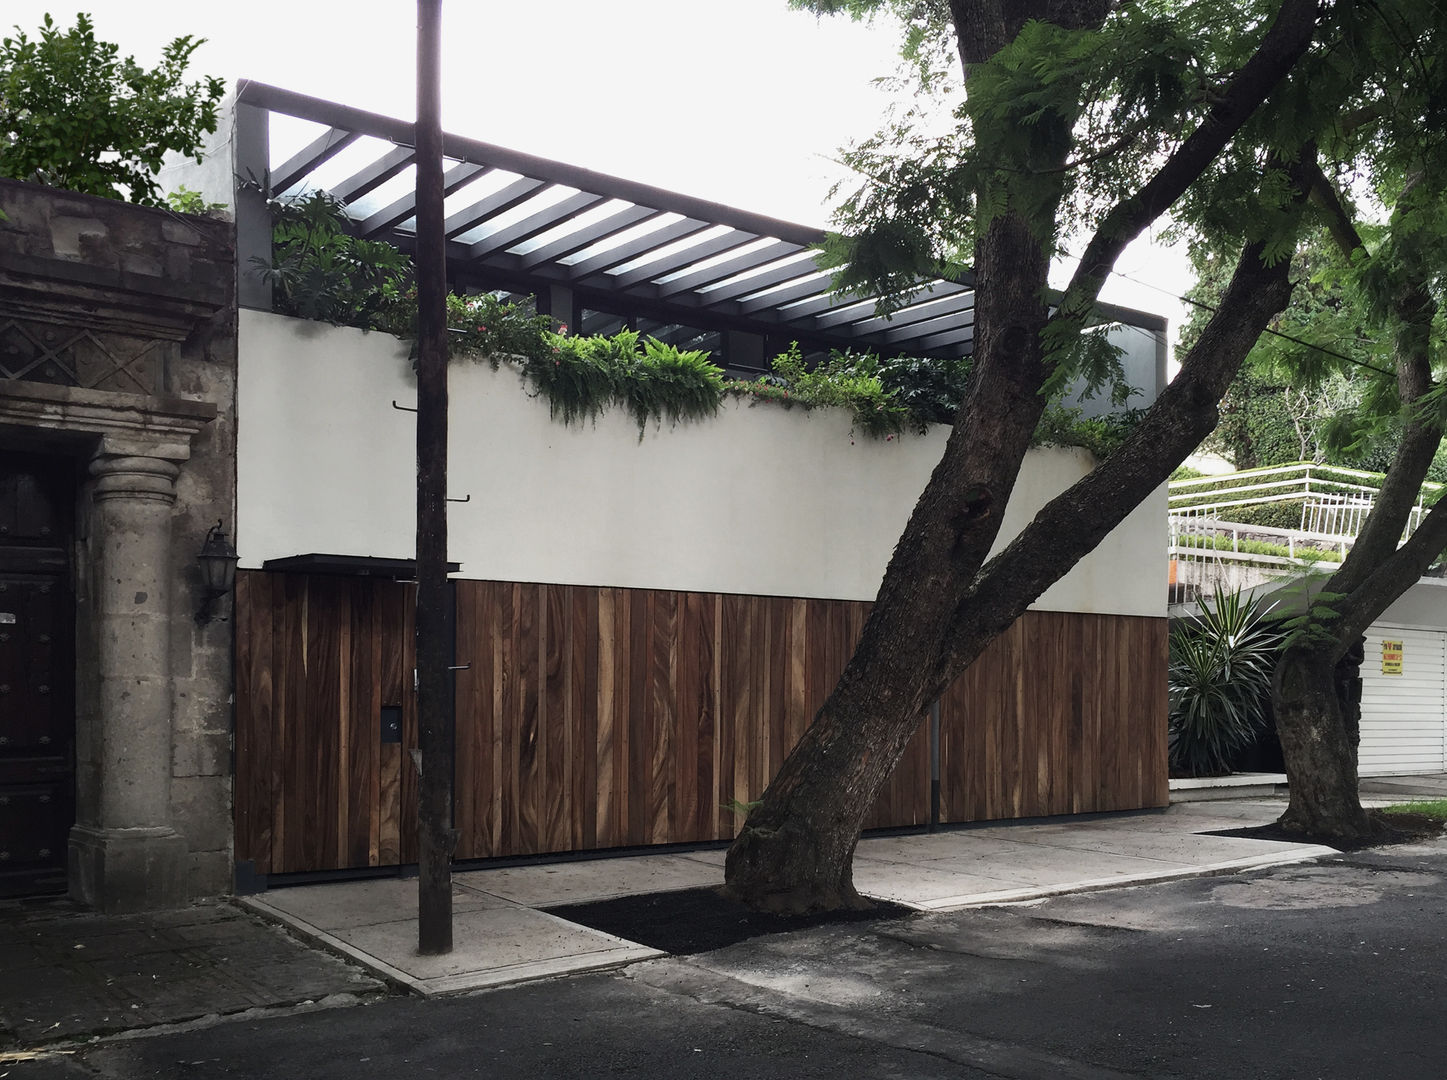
<point x="352" y="565"/>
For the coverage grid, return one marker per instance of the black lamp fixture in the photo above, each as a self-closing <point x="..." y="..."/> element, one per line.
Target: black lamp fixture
<point x="218" y="571"/>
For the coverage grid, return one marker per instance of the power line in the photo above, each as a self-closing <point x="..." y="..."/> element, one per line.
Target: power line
<point x="1274" y="333"/>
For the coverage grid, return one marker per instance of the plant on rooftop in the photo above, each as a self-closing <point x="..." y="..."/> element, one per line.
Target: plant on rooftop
<point x="654" y="381"/>
<point x="1219" y="681"/>
<point x="1066" y="425"/>
<point x="319" y="271"/>
<point x="185" y="201"/>
<point x="74" y="114"/>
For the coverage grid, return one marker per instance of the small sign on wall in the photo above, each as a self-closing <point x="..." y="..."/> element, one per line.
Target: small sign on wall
<point x="1391" y="658"/>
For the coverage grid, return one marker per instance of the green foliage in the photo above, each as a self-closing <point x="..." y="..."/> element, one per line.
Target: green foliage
<point x="1432" y="808"/>
<point x="74" y="114"/>
<point x="319" y="271"/>
<point x="185" y="201"/>
<point x="1185" y="472"/>
<point x="1219" y="679"/>
<point x="1303" y="553"/>
<point x="1319" y="393"/>
<point x="931" y="390"/>
<point x="1062" y="425"/>
<point x="1315" y="626"/>
<point x="846" y="380"/>
<point x="654" y="381"/>
<point x="481" y="325"/>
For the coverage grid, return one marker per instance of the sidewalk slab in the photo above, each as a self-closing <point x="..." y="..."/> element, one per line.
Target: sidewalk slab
<point x="496" y="941"/>
<point x="588" y="880"/>
<point x="69" y="972"/>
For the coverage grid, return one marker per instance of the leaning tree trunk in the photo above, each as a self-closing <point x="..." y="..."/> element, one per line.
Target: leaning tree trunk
<point x="796" y="849"/>
<point x="795" y="852"/>
<point x="1320" y="753"/>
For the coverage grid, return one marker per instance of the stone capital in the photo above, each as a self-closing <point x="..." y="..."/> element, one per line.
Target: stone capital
<point x="132" y="476"/>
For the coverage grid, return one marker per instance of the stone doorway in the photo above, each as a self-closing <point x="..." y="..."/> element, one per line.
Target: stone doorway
<point x="37" y="671"/>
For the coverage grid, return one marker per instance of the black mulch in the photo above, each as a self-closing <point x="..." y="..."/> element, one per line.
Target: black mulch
<point x="1390" y="829"/>
<point x="698" y="920"/>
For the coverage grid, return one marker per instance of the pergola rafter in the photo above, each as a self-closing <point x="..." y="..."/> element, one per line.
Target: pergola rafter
<point x="703" y="263"/>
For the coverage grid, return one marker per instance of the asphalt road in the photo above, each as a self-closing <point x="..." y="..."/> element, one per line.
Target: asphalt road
<point x="1336" y="969"/>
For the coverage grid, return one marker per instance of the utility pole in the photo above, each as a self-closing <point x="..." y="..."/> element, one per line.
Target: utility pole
<point x="434" y="640"/>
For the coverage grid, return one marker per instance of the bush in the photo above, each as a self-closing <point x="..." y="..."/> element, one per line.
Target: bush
<point x="75" y="115"/>
<point x="319" y="271"/>
<point x="1219" y="682"/>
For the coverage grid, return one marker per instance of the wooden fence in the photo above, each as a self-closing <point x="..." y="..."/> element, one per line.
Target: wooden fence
<point x="595" y="718"/>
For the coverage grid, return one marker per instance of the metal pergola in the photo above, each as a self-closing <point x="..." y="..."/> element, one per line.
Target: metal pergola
<point x="523" y="223"/>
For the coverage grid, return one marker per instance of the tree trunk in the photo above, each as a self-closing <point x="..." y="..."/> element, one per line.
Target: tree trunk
<point x="795" y="851"/>
<point x="933" y="618"/>
<point x="1321" y="756"/>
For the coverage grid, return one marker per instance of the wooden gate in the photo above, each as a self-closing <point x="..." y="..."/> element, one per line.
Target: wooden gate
<point x="592" y="718"/>
<point x="37" y="672"/>
<point x="317" y="660"/>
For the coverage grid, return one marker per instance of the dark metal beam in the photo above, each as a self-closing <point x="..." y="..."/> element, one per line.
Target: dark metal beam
<point x="762" y="280"/>
<point x="631" y="249"/>
<point x="324" y="146"/>
<point x="367" y="180"/>
<point x="961" y="336"/>
<point x="829" y="302"/>
<point x="499" y="202"/>
<point x="722" y="271"/>
<point x="400" y="132"/>
<point x="679" y="260"/>
<point x="570" y="244"/>
<point x="954" y="302"/>
<point x="389" y="217"/>
<point x="921" y="330"/>
<point x="534" y="224"/>
<point x="788" y="295"/>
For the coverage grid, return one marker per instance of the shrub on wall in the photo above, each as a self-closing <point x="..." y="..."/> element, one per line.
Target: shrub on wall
<point x="319" y="271"/>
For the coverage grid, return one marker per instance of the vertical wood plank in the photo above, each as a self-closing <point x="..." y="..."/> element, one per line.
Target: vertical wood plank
<point x="469" y="690"/>
<point x="361" y="715"/>
<point x="605" y="816"/>
<point x="554" y="717"/>
<point x="406" y="636"/>
<point x="583" y="693"/>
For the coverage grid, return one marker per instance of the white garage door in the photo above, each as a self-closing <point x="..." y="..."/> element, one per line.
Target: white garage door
<point x="1404" y="717"/>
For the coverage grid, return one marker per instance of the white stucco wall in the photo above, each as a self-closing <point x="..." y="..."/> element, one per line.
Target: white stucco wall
<point x="761" y="500"/>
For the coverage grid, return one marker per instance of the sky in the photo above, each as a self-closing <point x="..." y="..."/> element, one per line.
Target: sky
<point x="744" y="102"/>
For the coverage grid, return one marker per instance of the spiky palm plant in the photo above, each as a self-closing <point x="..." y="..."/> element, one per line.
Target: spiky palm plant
<point x="1220" y="680"/>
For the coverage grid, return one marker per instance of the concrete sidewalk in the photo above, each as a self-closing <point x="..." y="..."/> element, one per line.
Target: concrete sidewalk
<point x="67" y="973"/>
<point x="503" y="933"/>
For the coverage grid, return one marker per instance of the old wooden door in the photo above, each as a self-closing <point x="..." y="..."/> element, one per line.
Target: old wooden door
<point x="37" y="672"/>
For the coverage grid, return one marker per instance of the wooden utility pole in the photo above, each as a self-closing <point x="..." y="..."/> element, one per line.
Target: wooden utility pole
<point x="434" y="639"/>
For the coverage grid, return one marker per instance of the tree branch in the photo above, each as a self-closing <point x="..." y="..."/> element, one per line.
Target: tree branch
<point x="1338" y="221"/>
<point x="1284" y="43"/>
<point x="1391" y="577"/>
<point x="1074" y="522"/>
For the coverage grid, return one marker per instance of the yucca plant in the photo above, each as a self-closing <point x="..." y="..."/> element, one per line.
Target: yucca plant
<point x="1220" y="680"/>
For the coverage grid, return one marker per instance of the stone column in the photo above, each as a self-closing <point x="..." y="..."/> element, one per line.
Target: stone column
<point x="124" y="855"/>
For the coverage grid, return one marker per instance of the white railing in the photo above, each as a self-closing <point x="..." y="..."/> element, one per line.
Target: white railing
<point x="1335" y="501"/>
<point x="1207" y="547"/>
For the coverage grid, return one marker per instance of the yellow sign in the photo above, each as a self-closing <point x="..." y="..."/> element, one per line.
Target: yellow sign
<point x="1391" y="658"/>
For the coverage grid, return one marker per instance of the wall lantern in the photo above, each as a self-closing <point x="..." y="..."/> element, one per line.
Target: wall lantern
<point x="218" y="571"/>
